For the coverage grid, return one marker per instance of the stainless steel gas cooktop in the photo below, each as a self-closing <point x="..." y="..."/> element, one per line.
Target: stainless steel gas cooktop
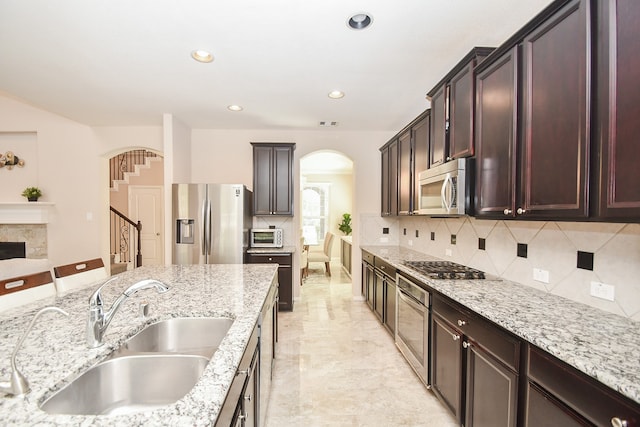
<point x="444" y="270"/>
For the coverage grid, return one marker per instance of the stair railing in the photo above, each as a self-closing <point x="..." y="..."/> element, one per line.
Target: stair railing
<point x="125" y="237"/>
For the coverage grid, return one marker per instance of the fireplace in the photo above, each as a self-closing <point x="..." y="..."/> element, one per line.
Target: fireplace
<point x="13" y="250"/>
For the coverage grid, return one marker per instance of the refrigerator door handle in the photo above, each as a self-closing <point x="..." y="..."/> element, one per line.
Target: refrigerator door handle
<point x="208" y="229"/>
<point x="204" y="227"/>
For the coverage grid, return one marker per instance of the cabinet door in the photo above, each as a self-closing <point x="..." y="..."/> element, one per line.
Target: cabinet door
<point x="371" y="285"/>
<point x="446" y="365"/>
<point x="390" y="305"/>
<point x="378" y="299"/>
<point x="285" y="287"/>
<point x="439" y="126"/>
<point x="385" y="207"/>
<point x="461" y="105"/>
<point x="618" y="127"/>
<point x="496" y="137"/>
<point x="420" y="156"/>
<point x="262" y="167"/>
<point x="545" y="411"/>
<point x="555" y="116"/>
<point x="393" y="178"/>
<point x="282" y="187"/>
<point x="404" y="174"/>
<point x="491" y="390"/>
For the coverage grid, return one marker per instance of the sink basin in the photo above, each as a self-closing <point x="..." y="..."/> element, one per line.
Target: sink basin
<point x="128" y="384"/>
<point x="185" y="335"/>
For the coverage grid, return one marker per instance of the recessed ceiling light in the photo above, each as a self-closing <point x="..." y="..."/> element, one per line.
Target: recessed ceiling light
<point x="336" y="94"/>
<point x="234" y="108"/>
<point x="359" y="21"/>
<point x="202" y="56"/>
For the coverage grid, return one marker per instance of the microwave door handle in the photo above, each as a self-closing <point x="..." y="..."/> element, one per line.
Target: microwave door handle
<point x="446" y="192"/>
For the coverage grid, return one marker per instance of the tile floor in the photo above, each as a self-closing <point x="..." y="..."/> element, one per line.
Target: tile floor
<point x="337" y="366"/>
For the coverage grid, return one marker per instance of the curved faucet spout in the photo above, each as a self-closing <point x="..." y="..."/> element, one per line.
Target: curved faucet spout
<point x="18" y="384"/>
<point x="99" y="320"/>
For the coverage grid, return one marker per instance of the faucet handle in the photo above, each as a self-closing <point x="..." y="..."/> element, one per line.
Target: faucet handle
<point x="96" y="298"/>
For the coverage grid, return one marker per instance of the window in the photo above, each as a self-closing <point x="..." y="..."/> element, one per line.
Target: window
<point x="315" y="212"/>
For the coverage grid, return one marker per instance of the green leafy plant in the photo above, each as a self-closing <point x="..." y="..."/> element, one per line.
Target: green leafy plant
<point x="32" y="193"/>
<point x="345" y="225"/>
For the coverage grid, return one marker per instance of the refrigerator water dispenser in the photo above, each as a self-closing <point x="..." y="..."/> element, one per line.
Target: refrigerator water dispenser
<point x="184" y="231"/>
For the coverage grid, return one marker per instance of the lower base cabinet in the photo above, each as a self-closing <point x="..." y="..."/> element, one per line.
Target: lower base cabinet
<point x="285" y="274"/>
<point x="475" y="366"/>
<point x="240" y="406"/>
<point x="559" y="395"/>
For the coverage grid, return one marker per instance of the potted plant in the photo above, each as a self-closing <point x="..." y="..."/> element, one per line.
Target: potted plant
<point x="32" y="193"/>
<point x="345" y="225"/>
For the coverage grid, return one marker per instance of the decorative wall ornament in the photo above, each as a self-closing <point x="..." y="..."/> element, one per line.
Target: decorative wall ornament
<point x="9" y="160"/>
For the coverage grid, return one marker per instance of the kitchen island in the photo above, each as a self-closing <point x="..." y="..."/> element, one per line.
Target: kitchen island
<point x="602" y="345"/>
<point x="55" y="351"/>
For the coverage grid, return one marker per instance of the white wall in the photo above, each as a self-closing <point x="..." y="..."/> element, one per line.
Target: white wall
<point x="226" y="156"/>
<point x="66" y="165"/>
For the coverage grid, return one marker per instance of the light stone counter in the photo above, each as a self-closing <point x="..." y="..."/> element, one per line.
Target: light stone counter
<point x="56" y="349"/>
<point x="605" y="346"/>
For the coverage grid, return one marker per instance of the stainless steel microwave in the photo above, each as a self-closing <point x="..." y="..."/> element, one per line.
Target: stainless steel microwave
<point x="266" y="237"/>
<point x="447" y="189"/>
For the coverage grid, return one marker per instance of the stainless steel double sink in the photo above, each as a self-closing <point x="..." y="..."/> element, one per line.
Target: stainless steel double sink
<point x="156" y="367"/>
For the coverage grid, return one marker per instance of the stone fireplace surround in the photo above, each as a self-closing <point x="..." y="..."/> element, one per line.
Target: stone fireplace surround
<point x="34" y="236"/>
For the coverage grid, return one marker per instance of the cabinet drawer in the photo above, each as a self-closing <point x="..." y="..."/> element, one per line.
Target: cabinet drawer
<point x="487" y="335"/>
<point x="368" y="258"/>
<point x="282" y="259"/>
<point x="593" y="400"/>
<point x="385" y="268"/>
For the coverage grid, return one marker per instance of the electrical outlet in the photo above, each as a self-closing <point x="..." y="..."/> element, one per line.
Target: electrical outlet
<point x="541" y="275"/>
<point x="602" y="290"/>
<point x="448" y="252"/>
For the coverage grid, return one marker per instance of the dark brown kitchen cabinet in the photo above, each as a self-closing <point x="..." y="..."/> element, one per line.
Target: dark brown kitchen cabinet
<point x="389" y="196"/>
<point x="452" y="110"/>
<point x="403" y="158"/>
<point x="618" y="107"/>
<point x="368" y="278"/>
<point x="273" y="178"/>
<point x="285" y="274"/>
<point x="475" y="366"/>
<point x="544" y="173"/>
<point x="559" y="395"/>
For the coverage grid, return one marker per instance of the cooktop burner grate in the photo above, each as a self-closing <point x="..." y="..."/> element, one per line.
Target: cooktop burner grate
<point x="444" y="270"/>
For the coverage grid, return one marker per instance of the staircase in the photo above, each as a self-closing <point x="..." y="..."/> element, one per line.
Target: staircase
<point x="125" y="165"/>
<point x="117" y="267"/>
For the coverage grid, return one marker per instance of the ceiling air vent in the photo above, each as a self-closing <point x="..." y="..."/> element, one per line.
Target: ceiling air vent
<point x="324" y="124"/>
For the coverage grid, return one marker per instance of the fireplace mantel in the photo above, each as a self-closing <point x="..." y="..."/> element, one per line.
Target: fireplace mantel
<point x="24" y="212"/>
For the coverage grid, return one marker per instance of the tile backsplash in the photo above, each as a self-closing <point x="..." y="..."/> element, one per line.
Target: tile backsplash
<point x="513" y="249"/>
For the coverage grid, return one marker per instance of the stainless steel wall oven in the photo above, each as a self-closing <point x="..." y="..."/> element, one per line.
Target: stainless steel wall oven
<point x="412" y="325"/>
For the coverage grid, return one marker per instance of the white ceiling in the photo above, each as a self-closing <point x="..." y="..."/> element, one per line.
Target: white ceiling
<point x="126" y="62"/>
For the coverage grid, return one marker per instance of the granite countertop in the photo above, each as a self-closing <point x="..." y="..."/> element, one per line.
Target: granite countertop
<point x="56" y="350"/>
<point x="282" y="250"/>
<point x="603" y="345"/>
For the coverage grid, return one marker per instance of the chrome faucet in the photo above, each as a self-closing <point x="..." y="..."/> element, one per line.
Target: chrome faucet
<point x="18" y="384"/>
<point x="98" y="320"/>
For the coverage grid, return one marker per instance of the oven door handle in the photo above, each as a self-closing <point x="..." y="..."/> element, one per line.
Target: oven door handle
<point x="414" y="303"/>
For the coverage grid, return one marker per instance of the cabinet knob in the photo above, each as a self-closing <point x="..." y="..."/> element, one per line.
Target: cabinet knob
<point x="507" y="211"/>
<point x="466" y="344"/>
<point x="248" y="398"/>
<point x="455" y="337"/>
<point x="461" y="322"/>
<point x="521" y="211"/>
<point x="243" y="372"/>
<point x="270" y="259"/>
<point x="617" y="422"/>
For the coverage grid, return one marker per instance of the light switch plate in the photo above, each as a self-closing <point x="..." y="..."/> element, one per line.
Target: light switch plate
<point x="602" y="290"/>
<point x="541" y="275"/>
<point x="410" y="242"/>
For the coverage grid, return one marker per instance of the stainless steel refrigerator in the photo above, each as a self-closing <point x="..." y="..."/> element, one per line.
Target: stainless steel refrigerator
<point x="211" y="223"/>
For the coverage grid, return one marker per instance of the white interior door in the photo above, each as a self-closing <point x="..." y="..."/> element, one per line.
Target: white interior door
<point x="145" y="205"/>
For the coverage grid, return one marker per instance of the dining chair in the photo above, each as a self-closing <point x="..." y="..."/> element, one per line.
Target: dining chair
<point x="78" y="275"/>
<point x="304" y="260"/>
<point x="20" y="290"/>
<point x="325" y="255"/>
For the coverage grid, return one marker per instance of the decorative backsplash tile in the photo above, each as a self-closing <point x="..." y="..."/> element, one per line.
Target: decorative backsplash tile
<point x="551" y="247"/>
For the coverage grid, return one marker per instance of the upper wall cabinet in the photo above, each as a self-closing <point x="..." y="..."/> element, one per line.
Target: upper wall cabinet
<point x="533" y="119"/>
<point x="402" y="159"/>
<point x="273" y="178"/>
<point x="617" y="193"/>
<point x="452" y="109"/>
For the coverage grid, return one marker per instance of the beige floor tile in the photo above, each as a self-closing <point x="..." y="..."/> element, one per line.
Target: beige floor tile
<point x="336" y="365"/>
